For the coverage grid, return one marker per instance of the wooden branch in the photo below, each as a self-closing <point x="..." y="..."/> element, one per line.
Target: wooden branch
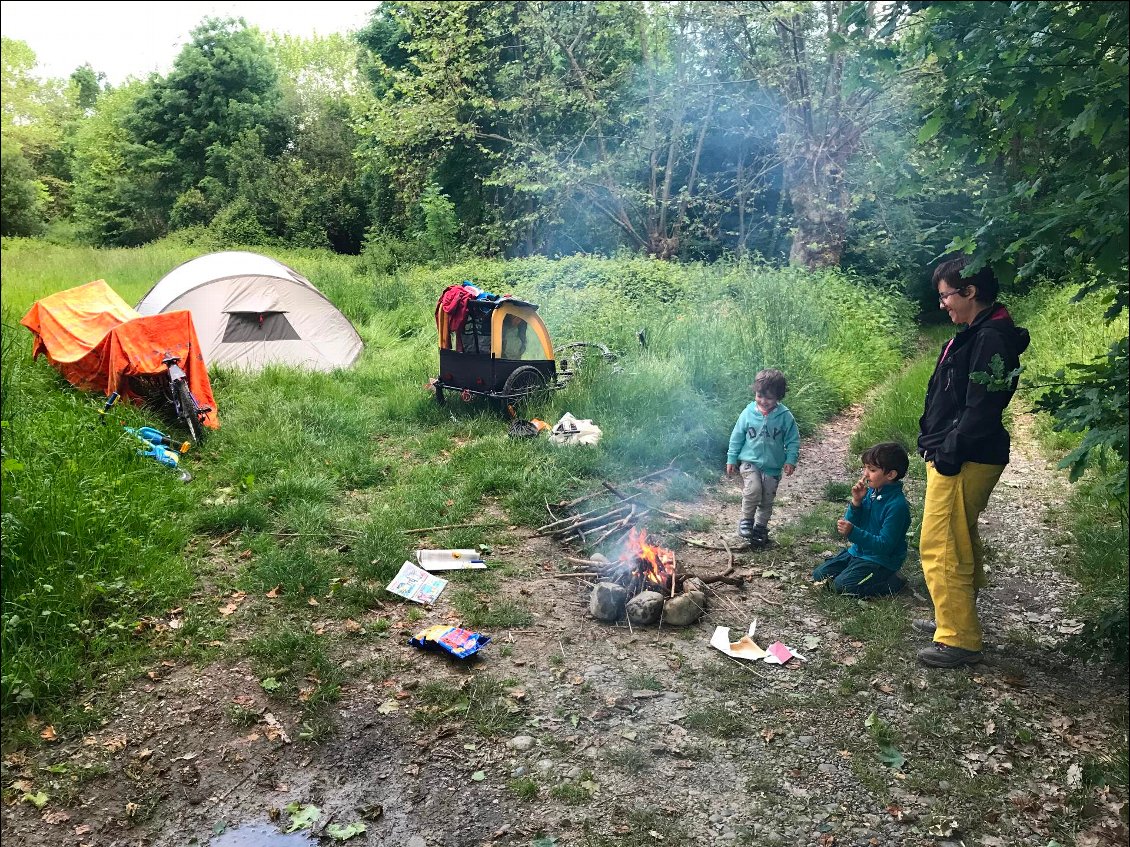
<point x="572" y="519"/>
<point x="453" y="526"/>
<point x="722" y="538"/>
<point x="638" y="479"/>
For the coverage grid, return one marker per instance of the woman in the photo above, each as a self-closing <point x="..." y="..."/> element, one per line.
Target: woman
<point x="965" y="446"/>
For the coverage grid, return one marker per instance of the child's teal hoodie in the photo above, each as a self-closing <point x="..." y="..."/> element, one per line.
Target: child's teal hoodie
<point x="768" y="441"/>
<point x="879" y="526"/>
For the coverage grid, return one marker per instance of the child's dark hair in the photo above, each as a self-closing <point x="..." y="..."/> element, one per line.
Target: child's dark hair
<point x="888" y="456"/>
<point x="949" y="272"/>
<point x="770" y="381"/>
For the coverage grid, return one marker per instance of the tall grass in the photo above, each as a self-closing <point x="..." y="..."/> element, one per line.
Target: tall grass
<point x="322" y="472"/>
<point x="92" y="534"/>
<point x="1063" y="332"/>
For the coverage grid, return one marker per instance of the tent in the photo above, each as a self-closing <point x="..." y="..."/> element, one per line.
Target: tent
<point x="251" y="311"/>
<point x="98" y="343"/>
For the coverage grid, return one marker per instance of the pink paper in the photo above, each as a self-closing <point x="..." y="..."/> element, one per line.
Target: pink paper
<point x="779" y="652"/>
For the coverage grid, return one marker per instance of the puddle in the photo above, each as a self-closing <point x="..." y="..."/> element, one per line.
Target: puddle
<point x="258" y="835"/>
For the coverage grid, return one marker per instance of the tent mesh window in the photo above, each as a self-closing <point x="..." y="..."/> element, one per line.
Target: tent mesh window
<point x="258" y="326"/>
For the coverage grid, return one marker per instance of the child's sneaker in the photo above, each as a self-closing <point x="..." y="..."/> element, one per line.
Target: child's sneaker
<point x="759" y="537"/>
<point x="940" y="655"/>
<point x="745" y="528"/>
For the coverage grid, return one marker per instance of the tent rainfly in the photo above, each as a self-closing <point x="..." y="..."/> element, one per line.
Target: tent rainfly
<point x="251" y="311"/>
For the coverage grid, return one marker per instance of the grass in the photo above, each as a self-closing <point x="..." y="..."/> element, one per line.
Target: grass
<point x="480" y="701"/>
<point x="318" y="474"/>
<point x="718" y="722"/>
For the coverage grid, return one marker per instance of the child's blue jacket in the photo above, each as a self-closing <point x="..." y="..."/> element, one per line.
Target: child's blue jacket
<point x="768" y="441"/>
<point x="879" y="526"/>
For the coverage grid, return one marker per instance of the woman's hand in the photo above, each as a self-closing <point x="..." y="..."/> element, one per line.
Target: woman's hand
<point x="789" y="469"/>
<point x="731" y="469"/>
<point x="844" y="528"/>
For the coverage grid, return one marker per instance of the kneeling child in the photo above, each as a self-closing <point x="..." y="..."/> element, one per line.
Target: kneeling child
<point x="876" y="523"/>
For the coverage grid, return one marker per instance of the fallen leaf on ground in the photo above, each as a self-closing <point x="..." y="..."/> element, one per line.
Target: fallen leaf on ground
<point x="274" y="592"/>
<point x="302" y="817"/>
<point x="48" y="734"/>
<point x="274" y="728"/>
<point x="38" y="799"/>
<point x="343" y="833"/>
<point x="58" y="817"/>
<point x="388" y="707"/>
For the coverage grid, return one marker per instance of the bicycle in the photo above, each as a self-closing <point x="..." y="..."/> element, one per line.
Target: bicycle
<point x="169" y="396"/>
<point x="177" y="392"/>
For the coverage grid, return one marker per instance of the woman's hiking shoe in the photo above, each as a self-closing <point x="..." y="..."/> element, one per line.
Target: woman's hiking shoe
<point x="923" y="625"/>
<point x="940" y="655"/>
<point x="745" y="528"/>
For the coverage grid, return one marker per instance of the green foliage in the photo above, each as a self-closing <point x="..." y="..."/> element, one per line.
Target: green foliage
<point x="1095" y="403"/>
<point x="113" y="203"/>
<point x="21" y="194"/>
<point x="1047" y="124"/>
<point x="223" y="84"/>
<point x="995" y="378"/>
<point x="440" y="224"/>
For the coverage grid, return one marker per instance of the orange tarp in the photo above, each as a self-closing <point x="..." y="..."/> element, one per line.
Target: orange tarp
<point x="96" y="341"/>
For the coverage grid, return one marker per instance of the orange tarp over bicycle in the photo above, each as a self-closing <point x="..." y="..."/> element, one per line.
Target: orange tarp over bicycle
<point x="95" y="340"/>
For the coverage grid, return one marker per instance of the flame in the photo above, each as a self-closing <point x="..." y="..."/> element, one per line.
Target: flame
<point x="656" y="564"/>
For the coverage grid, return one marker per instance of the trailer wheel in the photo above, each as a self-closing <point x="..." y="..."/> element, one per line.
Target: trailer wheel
<point x="523" y="385"/>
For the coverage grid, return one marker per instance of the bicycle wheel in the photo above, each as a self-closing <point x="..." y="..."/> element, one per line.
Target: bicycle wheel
<point x="188" y="412"/>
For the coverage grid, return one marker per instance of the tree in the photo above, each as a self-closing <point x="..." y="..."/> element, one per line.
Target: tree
<point x="224" y="82"/>
<point x="38" y="118"/>
<point x="21" y="194"/>
<point x="821" y="61"/>
<point x="574" y="119"/>
<point x="113" y="204"/>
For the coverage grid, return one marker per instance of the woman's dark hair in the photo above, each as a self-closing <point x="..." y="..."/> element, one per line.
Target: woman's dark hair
<point x="770" y="381"/>
<point x="888" y="456"/>
<point x="949" y="272"/>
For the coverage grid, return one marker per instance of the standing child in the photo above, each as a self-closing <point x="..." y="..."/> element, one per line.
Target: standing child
<point x="766" y="442"/>
<point x="876" y="523"/>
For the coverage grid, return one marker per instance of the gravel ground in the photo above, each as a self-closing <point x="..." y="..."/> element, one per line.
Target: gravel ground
<point x="568" y="731"/>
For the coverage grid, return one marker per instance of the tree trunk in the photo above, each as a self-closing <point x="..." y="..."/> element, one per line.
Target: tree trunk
<point x="820" y="211"/>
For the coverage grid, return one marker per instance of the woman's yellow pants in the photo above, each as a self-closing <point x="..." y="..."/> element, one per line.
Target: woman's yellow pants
<point x="951" y="551"/>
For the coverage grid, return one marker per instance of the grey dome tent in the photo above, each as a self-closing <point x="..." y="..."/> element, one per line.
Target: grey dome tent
<point x="251" y="311"/>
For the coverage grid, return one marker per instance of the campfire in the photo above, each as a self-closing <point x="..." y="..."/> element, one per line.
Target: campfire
<point x="644" y="585"/>
<point x="645" y="566"/>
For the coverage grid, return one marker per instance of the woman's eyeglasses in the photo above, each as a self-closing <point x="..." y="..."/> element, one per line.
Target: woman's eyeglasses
<point x="942" y="298"/>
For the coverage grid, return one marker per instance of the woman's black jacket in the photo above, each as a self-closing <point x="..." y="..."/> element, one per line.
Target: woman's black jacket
<point x="962" y="418"/>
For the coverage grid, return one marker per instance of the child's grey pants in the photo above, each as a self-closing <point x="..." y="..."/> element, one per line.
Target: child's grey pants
<point x="758" y="492"/>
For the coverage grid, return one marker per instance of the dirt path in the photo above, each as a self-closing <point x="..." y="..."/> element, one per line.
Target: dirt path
<point x="580" y="733"/>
